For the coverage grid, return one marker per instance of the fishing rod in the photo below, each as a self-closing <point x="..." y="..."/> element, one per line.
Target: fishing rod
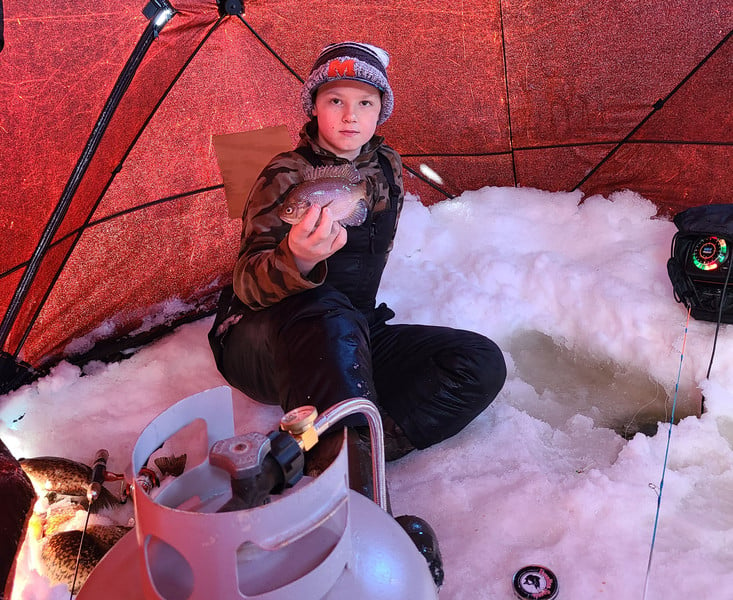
<point x="721" y="306"/>
<point x="666" y="456"/>
<point x="99" y="472"/>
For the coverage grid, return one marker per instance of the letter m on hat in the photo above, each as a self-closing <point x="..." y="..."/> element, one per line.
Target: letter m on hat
<point x="341" y="68"/>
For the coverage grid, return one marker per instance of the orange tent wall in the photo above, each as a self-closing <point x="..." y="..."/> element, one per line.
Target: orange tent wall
<point x="555" y="95"/>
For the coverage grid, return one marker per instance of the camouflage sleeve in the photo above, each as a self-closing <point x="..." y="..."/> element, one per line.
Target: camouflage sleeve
<point x="265" y="271"/>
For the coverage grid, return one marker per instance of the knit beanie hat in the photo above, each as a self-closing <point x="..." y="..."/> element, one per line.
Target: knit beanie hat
<point x="350" y="60"/>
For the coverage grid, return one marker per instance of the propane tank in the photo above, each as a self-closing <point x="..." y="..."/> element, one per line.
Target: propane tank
<point x="312" y="539"/>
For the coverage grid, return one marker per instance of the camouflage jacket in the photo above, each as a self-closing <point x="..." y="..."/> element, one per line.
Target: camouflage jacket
<point x="265" y="271"/>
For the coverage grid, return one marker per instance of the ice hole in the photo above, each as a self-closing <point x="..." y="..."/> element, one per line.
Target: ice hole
<point x="568" y="382"/>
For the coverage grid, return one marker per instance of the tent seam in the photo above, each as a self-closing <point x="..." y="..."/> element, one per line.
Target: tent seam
<point x="657" y="106"/>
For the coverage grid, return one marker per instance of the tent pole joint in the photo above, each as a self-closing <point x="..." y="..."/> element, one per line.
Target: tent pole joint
<point x="230" y="7"/>
<point x="158" y="12"/>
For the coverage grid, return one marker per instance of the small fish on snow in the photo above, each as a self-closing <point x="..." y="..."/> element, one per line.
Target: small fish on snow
<point x="340" y="187"/>
<point x="59" y="553"/>
<point x="57" y="476"/>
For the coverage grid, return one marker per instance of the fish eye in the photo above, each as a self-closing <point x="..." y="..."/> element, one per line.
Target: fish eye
<point x="289" y="209"/>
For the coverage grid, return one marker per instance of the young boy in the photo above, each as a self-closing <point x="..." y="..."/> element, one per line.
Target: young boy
<point x="304" y="327"/>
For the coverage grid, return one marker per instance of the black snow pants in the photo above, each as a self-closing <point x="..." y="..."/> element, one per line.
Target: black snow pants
<point x="315" y="348"/>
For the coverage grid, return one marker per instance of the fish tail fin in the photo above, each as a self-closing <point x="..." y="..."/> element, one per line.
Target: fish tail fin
<point x="357" y="216"/>
<point x="106" y="499"/>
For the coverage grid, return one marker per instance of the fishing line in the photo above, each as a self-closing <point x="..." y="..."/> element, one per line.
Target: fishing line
<point x="666" y="456"/>
<point x="78" y="556"/>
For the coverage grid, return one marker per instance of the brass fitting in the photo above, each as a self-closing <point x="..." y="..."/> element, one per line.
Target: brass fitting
<point x="299" y="424"/>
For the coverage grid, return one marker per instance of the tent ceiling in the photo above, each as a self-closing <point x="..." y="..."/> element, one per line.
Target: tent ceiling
<point x="546" y="94"/>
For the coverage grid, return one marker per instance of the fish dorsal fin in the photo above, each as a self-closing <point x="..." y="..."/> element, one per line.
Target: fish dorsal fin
<point x="346" y="171"/>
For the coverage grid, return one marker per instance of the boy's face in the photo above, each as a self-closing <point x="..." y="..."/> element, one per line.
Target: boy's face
<point x="347" y="113"/>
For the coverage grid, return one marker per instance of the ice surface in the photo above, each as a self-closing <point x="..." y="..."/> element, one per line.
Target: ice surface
<point x="578" y="297"/>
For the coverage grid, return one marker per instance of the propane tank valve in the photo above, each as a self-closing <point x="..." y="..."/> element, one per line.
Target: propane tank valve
<point x="299" y="423"/>
<point x="258" y="465"/>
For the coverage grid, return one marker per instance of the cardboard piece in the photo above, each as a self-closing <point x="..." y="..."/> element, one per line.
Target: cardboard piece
<point x="242" y="156"/>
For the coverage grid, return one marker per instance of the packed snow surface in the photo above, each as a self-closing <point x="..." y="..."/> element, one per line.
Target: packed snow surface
<point x="564" y="468"/>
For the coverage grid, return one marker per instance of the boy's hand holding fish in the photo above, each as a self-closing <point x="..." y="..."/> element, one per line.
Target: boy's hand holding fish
<point x="316" y="237"/>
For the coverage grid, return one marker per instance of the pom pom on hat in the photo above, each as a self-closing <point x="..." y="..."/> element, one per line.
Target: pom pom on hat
<point x="350" y="60"/>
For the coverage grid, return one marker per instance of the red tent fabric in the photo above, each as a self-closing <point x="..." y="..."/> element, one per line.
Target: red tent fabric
<point x="112" y="208"/>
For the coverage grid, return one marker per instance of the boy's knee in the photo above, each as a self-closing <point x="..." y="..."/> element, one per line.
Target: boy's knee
<point x="323" y="303"/>
<point x="469" y="376"/>
<point x="321" y="322"/>
<point x="492" y="369"/>
<point x="478" y="369"/>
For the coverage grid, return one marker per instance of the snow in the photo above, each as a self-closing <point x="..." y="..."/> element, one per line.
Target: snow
<point x="564" y="468"/>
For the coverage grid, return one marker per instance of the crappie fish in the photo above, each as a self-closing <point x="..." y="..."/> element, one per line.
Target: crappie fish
<point x="340" y="187"/>
<point x="54" y="475"/>
<point x="59" y="553"/>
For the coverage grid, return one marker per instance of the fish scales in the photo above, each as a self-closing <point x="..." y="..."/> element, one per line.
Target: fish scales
<point x="60" y="551"/>
<point x="340" y="187"/>
<point x="57" y="474"/>
<point x="63" y="476"/>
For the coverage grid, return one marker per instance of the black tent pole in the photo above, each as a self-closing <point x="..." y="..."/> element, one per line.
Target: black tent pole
<point x="2" y="27"/>
<point x="88" y="222"/>
<point x="159" y="12"/>
<point x="655" y="107"/>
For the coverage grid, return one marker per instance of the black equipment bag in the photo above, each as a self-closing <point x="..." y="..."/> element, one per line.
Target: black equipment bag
<point x="700" y="265"/>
